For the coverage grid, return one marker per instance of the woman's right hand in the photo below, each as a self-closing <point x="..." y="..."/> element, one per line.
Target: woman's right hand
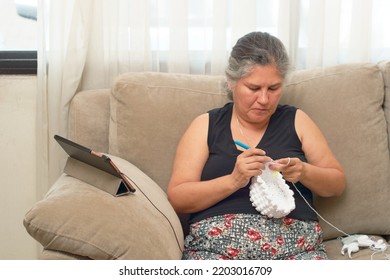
<point x="249" y="163"/>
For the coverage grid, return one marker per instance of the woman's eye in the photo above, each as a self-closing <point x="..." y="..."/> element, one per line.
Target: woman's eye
<point x="274" y="88"/>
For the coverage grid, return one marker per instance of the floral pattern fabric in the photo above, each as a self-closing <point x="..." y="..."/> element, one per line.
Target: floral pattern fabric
<point x="250" y="237"/>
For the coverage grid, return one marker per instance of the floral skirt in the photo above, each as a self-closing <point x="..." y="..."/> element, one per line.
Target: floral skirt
<point x="254" y="237"/>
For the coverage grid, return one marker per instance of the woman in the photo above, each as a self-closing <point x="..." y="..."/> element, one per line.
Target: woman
<point x="211" y="174"/>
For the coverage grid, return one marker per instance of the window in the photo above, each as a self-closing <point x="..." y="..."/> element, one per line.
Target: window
<point x="18" y="37"/>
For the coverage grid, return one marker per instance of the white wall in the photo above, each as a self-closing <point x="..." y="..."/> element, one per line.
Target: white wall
<point x="17" y="165"/>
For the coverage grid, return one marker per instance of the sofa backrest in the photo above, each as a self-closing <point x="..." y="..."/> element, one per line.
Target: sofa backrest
<point x="150" y="112"/>
<point x="89" y="119"/>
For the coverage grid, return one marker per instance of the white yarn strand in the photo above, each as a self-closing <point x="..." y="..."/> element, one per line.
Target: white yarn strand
<point x="318" y="214"/>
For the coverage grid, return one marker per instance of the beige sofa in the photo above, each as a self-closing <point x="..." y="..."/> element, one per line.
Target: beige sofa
<point x="139" y="122"/>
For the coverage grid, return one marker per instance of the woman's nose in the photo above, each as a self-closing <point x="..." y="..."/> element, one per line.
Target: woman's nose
<point x="263" y="96"/>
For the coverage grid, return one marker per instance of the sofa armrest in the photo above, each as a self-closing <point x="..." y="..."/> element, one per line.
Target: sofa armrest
<point x="79" y="219"/>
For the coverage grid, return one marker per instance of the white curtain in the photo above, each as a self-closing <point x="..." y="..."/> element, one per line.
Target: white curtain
<point x="85" y="44"/>
<point x="64" y="31"/>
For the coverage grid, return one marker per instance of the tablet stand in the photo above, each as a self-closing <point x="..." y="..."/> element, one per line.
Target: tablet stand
<point x="95" y="177"/>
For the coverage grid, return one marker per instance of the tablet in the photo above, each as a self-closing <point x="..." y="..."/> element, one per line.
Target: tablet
<point x="93" y="158"/>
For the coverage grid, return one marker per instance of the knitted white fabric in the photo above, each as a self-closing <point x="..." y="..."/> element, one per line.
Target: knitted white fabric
<point x="270" y="194"/>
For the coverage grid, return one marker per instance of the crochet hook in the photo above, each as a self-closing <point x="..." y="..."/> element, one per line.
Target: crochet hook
<point x="242" y="145"/>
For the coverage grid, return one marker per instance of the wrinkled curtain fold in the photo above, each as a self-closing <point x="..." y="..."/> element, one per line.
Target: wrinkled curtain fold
<point x="85" y="44"/>
<point x="64" y="28"/>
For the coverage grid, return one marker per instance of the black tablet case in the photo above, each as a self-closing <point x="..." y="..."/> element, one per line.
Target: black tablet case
<point x="94" y="169"/>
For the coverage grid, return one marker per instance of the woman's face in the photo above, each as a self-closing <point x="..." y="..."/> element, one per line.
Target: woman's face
<point x="257" y="95"/>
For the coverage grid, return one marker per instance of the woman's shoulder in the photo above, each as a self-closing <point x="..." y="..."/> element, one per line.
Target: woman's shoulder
<point x="200" y="120"/>
<point x="221" y="114"/>
<point x="284" y="111"/>
<point x="203" y="120"/>
<point x="221" y="110"/>
<point x="286" y="108"/>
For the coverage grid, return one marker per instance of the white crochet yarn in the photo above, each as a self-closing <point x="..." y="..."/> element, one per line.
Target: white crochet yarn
<point x="270" y="194"/>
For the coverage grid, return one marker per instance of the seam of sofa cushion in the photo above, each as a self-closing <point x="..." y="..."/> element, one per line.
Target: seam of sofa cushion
<point x="69" y="256"/>
<point x="174" y="88"/>
<point x="341" y="71"/>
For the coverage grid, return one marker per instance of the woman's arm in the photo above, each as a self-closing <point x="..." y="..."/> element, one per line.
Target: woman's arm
<point x="186" y="192"/>
<point x="322" y="173"/>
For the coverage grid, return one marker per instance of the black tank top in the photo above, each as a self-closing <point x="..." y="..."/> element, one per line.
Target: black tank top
<point x="280" y="140"/>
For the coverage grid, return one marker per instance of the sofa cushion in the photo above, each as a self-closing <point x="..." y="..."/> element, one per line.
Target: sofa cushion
<point x="149" y="113"/>
<point x="78" y="219"/>
<point x="346" y="102"/>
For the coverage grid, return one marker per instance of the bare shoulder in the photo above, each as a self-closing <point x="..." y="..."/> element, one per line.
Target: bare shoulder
<point x="198" y="127"/>
<point x="314" y="143"/>
<point x="194" y="139"/>
<point x="191" y="153"/>
<point x="201" y="120"/>
<point x="305" y="126"/>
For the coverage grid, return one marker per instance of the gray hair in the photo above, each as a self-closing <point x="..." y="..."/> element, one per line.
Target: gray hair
<point x="253" y="49"/>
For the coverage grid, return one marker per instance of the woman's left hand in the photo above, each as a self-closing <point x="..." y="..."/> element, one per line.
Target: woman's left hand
<point x="292" y="169"/>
